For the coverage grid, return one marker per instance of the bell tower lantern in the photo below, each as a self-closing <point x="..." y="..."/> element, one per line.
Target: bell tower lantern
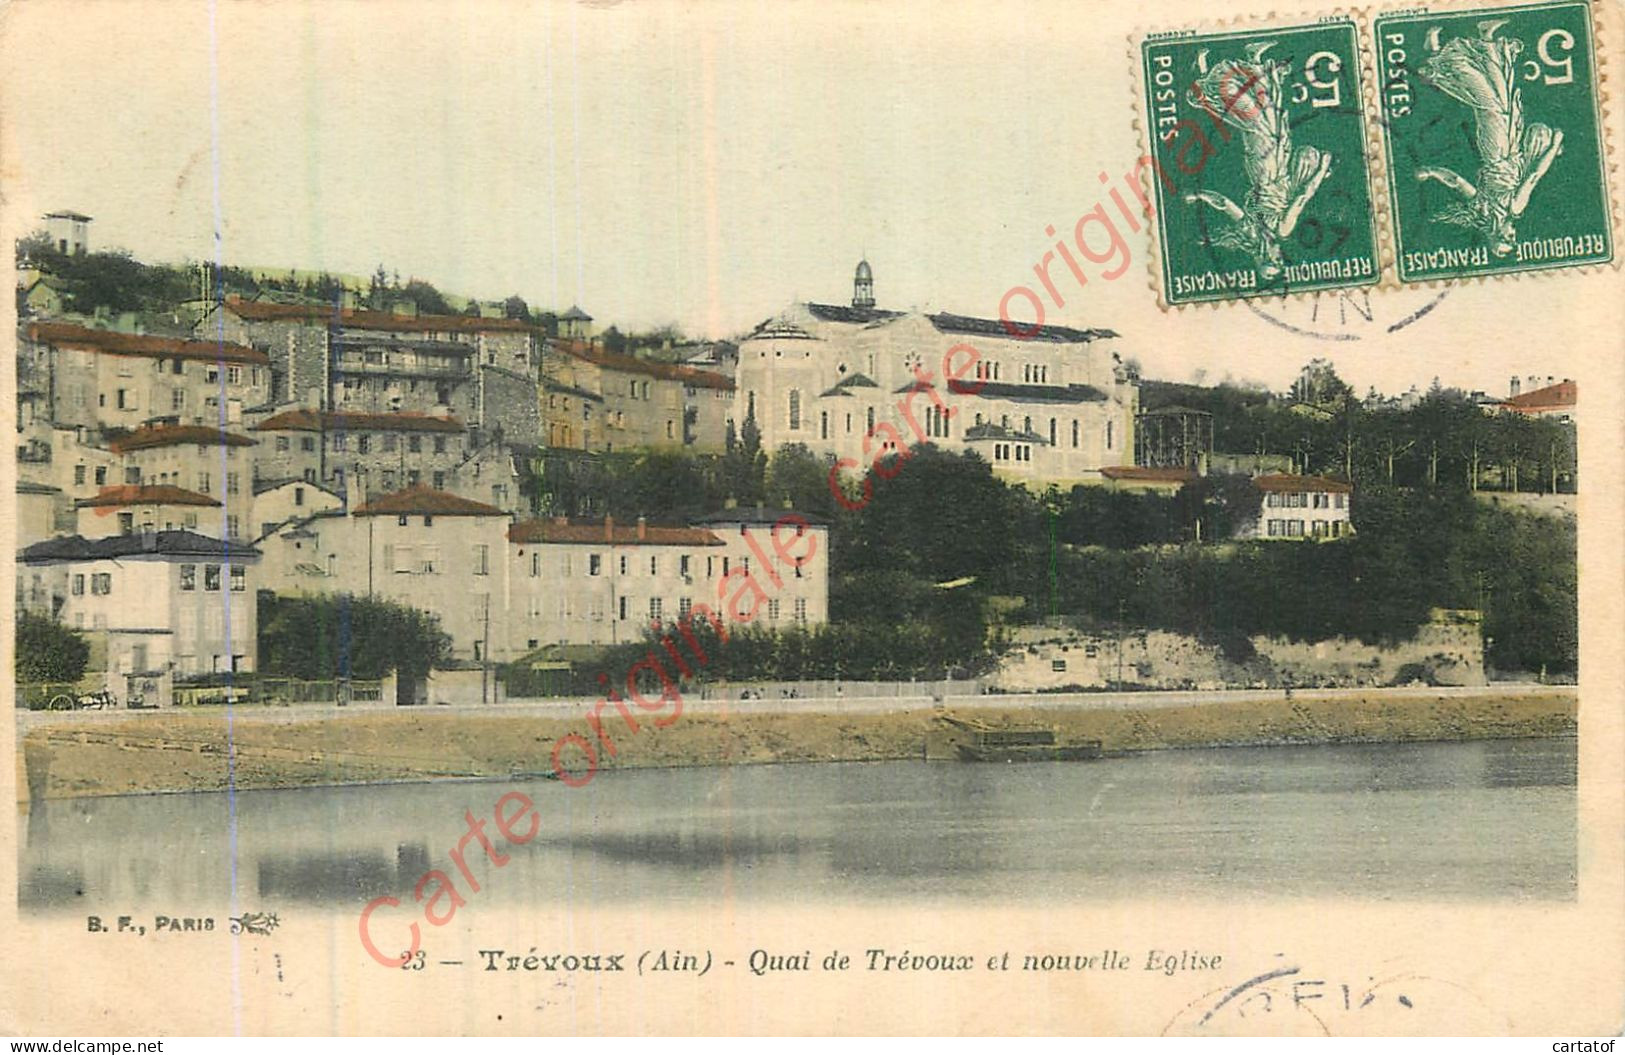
<point x="863" y="286"/>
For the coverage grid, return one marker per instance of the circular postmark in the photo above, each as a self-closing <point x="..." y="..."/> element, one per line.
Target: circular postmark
<point x="1298" y="1001"/>
<point x="1351" y="313"/>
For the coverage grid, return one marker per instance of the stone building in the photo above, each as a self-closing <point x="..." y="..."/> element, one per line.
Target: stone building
<point x="599" y="401"/>
<point x="105" y="379"/>
<point x="480" y="370"/>
<point x="361" y="455"/>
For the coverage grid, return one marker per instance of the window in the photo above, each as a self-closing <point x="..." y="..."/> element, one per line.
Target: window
<point x="1074" y="433"/>
<point x="211" y="578"/>
<point x="389" y="479"/>
<point x="773" y="610"/>
<point x="101" y="475"/>
<point x="341" y="441"/>
<point x="399" y="558"/>
<point x="1342" y="501"/>
<point x="440" y="445"/>
<point x="682" y="565"/>
<point x="307" y="443"/>
<point x="1052" y="432"/>
<point x="101" y="583"/>
<point x="189" y="521"/>
<point x="239" y="578"/>
<point x="211" y="374"/>
<point x="231" y="483"/>
<point x="654" y="609"/>
<point x="414" y="444"/>
<point x="795" y="409"/>
<point x="231" y="528"/>
<point x="364" y="444"/>
<point x="823" y="424"/>
<point x="482" y="559"/>
<point x="428" y="521"/>
<point x="871" y="419"/>
<point x="79" y="475"/>
<point x="203" y="484"/>
<point x="234" y="375"/>
<point x="126" y="523"/>
<point x="1058" y="666"/>
<point x="1294" y="528"/>
<point x="623" y="607"/>
<point x="654" y="564"/>
<point x="801" y="609"/>
<point x="1274" y="528"/>
<point x="79" y="585"/>
<point x="298" y="496"/>
<point x="177" y="368"/>
<point x="1109" y="440"/>
<point x="177" y="399"/>
<point x="431" y="560"/>
<point x="389" y="441"/>
<point x="623" y="564"/>
<point x="595" y="564"/>
<point x="281" y="443"/>
<point x="535" y="564"/>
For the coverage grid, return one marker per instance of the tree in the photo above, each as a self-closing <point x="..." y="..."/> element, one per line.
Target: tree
<point x="516" y="308"/>
<point x="798" y="477"/>
<point x="428" y="299"/>
<point x="318" y="638"/>
<point x="1319" y="385"/>
<point x="47" y="650"/>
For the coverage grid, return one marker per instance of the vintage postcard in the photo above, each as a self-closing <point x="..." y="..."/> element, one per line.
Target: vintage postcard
<point x="646" y="519"/>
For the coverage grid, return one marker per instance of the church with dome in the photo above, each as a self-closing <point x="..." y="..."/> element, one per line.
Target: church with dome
<point x="1055" y="406"/>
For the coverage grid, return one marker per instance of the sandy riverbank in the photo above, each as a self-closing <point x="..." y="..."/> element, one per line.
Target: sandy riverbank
<point x="186" y="750"/>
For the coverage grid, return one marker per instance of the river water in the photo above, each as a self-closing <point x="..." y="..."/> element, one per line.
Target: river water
<point x="1458" y="821"/>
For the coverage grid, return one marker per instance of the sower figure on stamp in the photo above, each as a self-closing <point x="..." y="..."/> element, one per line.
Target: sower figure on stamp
<point x="1512" y="157"/>
<point x="1247" y="94"/>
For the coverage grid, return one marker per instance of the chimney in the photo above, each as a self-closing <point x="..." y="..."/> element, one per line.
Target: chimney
<point x="643" y="528"/>
<point x="1514" y="385"/>
<point x="609" y="529"/>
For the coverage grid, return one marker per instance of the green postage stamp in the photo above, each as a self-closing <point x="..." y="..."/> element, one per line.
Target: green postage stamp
<point x="1492" y="131"/>
<point x="1258" y="161"/>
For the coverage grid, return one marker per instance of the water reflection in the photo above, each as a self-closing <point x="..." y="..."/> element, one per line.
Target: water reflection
<point x="1481" y="820"/>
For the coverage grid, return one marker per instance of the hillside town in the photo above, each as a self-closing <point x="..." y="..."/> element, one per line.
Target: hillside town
<point x="544" y="490"/>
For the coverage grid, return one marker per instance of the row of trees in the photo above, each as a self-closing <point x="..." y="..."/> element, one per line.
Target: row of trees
<point x="1445" y="439"/>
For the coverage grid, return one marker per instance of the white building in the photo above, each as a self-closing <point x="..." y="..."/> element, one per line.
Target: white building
<point x="164" y="601"/>
<point x="1053" y="405"/>
<point x="1301" y="507"/>
<point x="419" y="547"/>
<point x="600" y="582"/>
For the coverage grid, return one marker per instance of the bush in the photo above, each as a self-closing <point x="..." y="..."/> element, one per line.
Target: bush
<point x="49" y="651"/>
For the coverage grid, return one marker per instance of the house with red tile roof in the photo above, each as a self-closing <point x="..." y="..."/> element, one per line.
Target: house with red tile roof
<point x="1555" y="402"/>
<point x="209" y="461"/>
<point x="131" y="509"/>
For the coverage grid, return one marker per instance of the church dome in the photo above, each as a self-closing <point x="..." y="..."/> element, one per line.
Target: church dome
<point x="863" y="272"/>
